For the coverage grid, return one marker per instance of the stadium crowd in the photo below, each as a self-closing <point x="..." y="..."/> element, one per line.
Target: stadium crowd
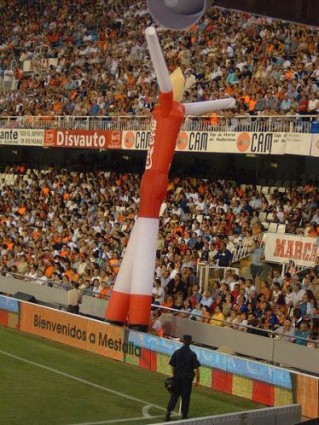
<point x="90" y="59"/>
<point x="102" y="65"/>
<point x="59" y="226"/>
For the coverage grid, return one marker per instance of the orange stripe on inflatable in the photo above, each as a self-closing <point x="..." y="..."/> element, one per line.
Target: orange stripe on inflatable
<point x="140" y="309"/>
<point x="117" y="307"/>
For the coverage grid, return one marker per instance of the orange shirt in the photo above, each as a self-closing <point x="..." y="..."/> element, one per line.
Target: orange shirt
<point x="35" y="234"/>
<point x="289" y="74"/>
<point x="313" y="234"/>
<point x="49" y="271"/>
<point x="9" y="245"/>
<point x="178" y="229"/>
<point x="103" y="293"/>
<point x="286" y="283"/>
<point x="251" y="104"/>
<point x="266" y="292"/>
<point x="167" y="304"/>
<point x="131" y="81"/>
<point x="247" y="99"/>
<point x="214" y="119"/>
<point x="115" y="264"/>
<point x="57" y="107"/>
<point x="72" y="276"/>
<point x="64" y="254"/>
<point x="45" y="191"/>
<point x="229" y="90"/>
<point x="22" y="210"/>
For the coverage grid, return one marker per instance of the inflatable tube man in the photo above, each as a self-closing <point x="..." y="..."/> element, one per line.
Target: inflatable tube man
<point x="131" y="297"/>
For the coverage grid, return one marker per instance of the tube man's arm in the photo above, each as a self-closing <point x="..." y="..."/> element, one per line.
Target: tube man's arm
<point x="132" y="294"/>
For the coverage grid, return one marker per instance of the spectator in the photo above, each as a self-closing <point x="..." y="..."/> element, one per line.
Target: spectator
<point x="302" y="333"/>
<point x="156" y="325"/>
<point x="196" y="313"/>
<point x="195" y="297"/>
<point x="76" y="83"/>
<point x="286" y="332"/>
<point x="218" y="317"/>
<point x="158" y="292"/>
<point x="223" y="256"/>
<point x="257" y="260"/>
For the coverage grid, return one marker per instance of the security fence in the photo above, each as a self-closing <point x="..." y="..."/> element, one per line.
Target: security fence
<point x="254" y="123"/>
<point x="287" y="415"/>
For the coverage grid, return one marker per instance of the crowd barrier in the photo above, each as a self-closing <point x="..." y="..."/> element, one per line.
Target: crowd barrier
<point x="288" y="415"/>
<point x="265" y="384"/>
<point x="261" y="137"/>
<point x="242" y="343"/>
<point x="266" y="123"/>
<point x="272" y="350"/>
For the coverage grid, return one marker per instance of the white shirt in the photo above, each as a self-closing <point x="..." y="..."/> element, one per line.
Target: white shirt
<point x="159" y="294"/>
<point x="296" y="297"/>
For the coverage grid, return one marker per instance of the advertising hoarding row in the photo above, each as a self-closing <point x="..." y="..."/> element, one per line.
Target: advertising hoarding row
<point x="258" y="143"/>
<point x="255" y="381"/>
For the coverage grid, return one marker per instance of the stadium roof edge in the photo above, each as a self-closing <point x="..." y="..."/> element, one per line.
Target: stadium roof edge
<point x="298" y="11"/>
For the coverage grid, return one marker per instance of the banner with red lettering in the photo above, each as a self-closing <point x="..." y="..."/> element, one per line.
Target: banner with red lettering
<point x="284" y="248"/>
<point x="83" y="139"/>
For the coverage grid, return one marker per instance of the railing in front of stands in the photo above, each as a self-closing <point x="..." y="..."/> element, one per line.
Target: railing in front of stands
<point x="263" y="331"/>
<point x="49" y="283"/>
<point x="246" y="247"/>
<point x="254" y="123"/>
<point x="208" y="272"/>
<point x="176" y="312"/>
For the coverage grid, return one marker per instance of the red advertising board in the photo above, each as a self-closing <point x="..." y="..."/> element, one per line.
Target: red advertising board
<point x="83" y="139"/>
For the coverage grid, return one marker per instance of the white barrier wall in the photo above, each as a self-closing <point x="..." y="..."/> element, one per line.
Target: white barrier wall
<point x="245" y="344"/>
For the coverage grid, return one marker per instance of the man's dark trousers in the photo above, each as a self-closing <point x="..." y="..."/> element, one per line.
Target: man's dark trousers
<point x="183" y="388"/>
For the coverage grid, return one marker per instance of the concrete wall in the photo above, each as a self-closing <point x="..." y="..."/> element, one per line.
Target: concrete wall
<point x="245" y="344"/>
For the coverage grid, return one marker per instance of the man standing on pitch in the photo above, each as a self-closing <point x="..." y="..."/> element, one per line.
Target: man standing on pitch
<point x="185" y="366"/>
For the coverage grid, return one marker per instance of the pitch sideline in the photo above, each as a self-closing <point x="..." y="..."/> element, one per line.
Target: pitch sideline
<point x="84" y="381"/>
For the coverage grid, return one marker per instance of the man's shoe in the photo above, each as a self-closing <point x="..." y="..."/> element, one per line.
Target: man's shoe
<point x="168" y="416"/>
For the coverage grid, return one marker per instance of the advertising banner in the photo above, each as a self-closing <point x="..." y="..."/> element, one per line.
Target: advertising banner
<point x="315" y="145"/>
<point x="85" y="139"/>
<point x="115" y="139"/>
<point x="308" y="396"/>
<point x="283" y="248"/>
<point x="9" y="304"/>
<point x="136" y="140"/>
<point x="40" y="64"/>
<point x="21" y="137"/>
<point x="77" y="331"/>
<point x="214" y="142"/>
<point x="298" y="143"/>
<point x="231" y="142"/>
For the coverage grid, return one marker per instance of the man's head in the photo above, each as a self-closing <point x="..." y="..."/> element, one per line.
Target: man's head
<point x="186" y="339"/>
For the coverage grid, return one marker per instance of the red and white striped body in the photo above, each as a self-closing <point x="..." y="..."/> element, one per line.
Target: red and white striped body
<point x="132" y="294"/>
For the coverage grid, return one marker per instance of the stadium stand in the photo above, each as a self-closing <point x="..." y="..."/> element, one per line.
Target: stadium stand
<point x="59" y="63"/>
<point x="59" y="226"/>
<point x="89" y="59"/>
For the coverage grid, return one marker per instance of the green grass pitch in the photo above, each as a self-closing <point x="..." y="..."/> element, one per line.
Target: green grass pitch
<point x="46" y="383"/>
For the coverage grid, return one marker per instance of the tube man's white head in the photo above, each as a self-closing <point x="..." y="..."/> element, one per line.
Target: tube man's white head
<point x="177" y="14"/>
